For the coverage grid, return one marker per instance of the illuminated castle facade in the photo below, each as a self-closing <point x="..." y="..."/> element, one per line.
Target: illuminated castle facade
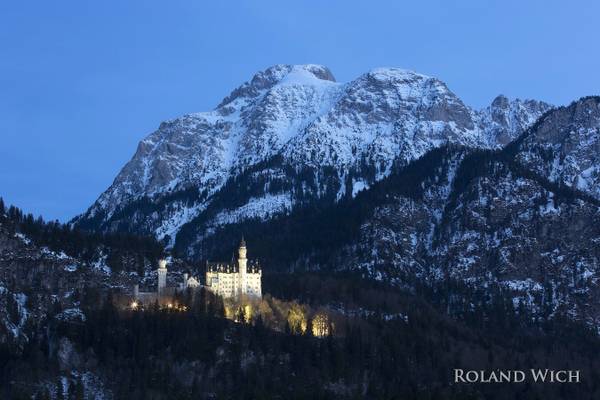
<point x="241" y="277"/>
<point x="229" y="280"/>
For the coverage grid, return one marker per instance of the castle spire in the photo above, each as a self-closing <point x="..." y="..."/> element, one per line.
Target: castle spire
<point x="242" y="265"/>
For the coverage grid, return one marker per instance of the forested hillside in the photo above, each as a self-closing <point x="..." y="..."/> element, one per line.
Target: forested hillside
<point x="391" y="344"/>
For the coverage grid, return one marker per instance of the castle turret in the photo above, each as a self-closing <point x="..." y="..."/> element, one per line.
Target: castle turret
<point x="184" y="285"/>
<point x="242" y="264"/>
<point x="162" y="276"/>
<point x="242" y="249"/>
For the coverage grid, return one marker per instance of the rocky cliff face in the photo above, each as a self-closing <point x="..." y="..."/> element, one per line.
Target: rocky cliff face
<point x="565" y="147"/>
<point x="304" y="136"/>
<point x="500" y="227"/>
<point x="519" y="218"/>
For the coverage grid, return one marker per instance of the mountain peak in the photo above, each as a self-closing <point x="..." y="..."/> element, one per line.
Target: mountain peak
<point x="393" y="73"/>
<point x="563" y="146"/>
<point x="501" y="101"/>
<point x="289" y="72"/>
<point x="284" y="74"/>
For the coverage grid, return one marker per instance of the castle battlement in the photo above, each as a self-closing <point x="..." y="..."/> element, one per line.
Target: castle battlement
<point x="252" y="267"/>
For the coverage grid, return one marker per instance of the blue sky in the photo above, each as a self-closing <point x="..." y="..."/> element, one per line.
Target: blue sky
<point x="81" y="82"/>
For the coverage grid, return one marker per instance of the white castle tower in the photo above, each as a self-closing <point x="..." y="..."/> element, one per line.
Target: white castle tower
<point x="242" y="265"/>
<point x="162" y="276"/>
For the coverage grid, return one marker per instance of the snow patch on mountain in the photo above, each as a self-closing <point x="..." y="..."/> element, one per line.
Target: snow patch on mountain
<point x="171" y="223"/>
<point x="13" y="322"/>
<point x="261" y="208"/>
<point x="359" y="186"/>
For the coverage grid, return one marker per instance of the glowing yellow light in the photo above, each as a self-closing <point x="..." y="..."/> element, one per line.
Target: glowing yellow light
<point x="134" y="305"/>
<point x="321" y="325"/>
<point x="248" y="313"/>
<point x="297" y="319"/>
<point x="229" y="314"/>
<point x="170" y="305"/>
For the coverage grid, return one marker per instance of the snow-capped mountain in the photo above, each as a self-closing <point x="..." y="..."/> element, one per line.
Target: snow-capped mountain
<point x="303" y="136"/>
<point x="483" y="217"/>
<point x="565" y="147"/>
<point x="502" y="218"/>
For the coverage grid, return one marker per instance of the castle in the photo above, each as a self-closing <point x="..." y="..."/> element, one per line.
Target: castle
<point x="236" y="278"/>
<point x="241" y="277"/>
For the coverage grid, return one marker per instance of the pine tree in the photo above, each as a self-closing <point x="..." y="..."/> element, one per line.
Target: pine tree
<point x="309" y="327"/>
<point x="13" y="309"/>
<point x="241" y="315"/>
<point x="60" y="395"/>
<point x="44" y="395"/>
<point x="79" y="390"/>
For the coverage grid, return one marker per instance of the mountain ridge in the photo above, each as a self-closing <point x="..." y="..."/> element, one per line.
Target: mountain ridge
<point x="360" y="128"/>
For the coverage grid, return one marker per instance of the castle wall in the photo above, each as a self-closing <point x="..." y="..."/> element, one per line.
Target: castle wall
<point x="253" y="284"/>
<point x="223" y="283"/>
<point x="229" y="284"/>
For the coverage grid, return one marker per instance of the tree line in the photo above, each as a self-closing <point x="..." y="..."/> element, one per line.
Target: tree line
<point x="122" y="251"/>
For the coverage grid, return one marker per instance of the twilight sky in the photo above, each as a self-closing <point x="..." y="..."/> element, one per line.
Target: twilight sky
<point x="81" y="82"/>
